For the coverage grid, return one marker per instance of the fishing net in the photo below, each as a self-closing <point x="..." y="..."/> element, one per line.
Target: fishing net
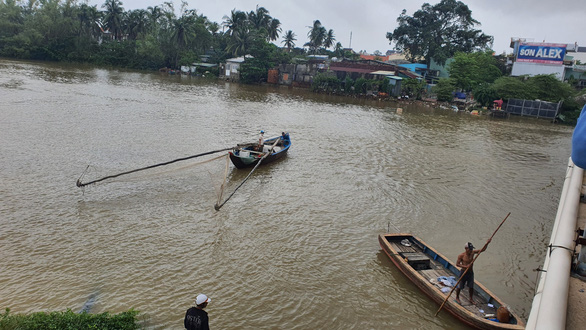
<point x="187" y="171"/>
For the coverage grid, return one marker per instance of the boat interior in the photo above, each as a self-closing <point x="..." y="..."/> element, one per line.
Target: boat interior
<point x="443" y="275"/>
<point x="250" y="149"/>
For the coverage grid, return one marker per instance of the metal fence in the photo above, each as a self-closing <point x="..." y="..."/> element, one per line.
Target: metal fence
<point x="533" y="108"/>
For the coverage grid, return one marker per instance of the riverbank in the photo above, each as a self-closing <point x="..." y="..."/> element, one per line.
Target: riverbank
<point x="69" y="320"/>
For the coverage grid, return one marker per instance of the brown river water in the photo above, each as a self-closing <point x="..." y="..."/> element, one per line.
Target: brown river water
<point x="296" y="246"/>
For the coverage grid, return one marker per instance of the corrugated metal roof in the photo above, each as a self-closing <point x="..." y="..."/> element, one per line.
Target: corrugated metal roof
<point x="207" y="65"/>
<point x="384" y="73"/>
<point x="239" y="59"/>
<point x="343" y="69"/>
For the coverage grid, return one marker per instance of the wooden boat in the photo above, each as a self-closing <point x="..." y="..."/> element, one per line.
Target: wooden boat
<point x="244" y="156"/>
<point x="431" y="271"/>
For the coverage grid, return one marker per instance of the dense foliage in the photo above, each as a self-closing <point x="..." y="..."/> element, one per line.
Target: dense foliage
<point x="540" y="87"/>
<point x="413" y="88"/>
<point x="444" y="90"/>
<point x="69" y="320"/>
<point x="438" y="32"/>
<point x="70" y="30"/>
<point x="264" y="57"/>
<point x="469" y="70"/>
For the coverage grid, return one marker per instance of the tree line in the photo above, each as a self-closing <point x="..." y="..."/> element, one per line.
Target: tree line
<point x="151" y="38"/>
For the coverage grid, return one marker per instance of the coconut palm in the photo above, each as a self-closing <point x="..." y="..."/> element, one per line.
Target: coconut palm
<point x="114" y="15"/>
<point x="88" y="17"/>
<point x="239" y="43"/>
<point x="154" y="14"/>
<point x="213" y="27"/>
<point x="289" y="40"/>
<point x="236" y="21"/>
<point x="339" y="50"/>
<point x="316" y="35"/>
<point x="260" y="18"/>
<point x="136" y="23"/>
<point x="84" y="19"/>
<point x="274" y="28"/>
<point x="329" y="39"/>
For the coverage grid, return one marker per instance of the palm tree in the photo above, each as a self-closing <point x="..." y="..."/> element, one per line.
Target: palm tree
<point x="136" y="23"/>
<point x="88" y="16"/>
<point x="203" y="32"/>
<point x="236" y="21"/>
<point x="182" y="32"/>
<point x="213" y="27"/>
<point x="274" y="28"/>
<point x="113" y="17"/>
<point x="259" y="18"/>
<point x="154" y="14"/>
<point x="94" y="16"/>
<point x="317" y="33"/>
<point x="338" y="50"/>
<point x="329" y="39"/>
<point x="289" y="40"/>
<point x="239" y="43"/>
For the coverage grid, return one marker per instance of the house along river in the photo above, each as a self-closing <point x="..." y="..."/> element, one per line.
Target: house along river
<point x="296" y="246"/>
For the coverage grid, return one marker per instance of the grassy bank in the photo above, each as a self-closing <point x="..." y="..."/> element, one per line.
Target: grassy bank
<point x="69" y="320"/>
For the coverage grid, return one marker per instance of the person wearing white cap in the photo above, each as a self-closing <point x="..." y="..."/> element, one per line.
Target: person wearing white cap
<point x="464" y="262"/>
<point x="195" y="317"/>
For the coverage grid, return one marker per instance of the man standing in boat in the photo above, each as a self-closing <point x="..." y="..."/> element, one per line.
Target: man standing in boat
<point x="261" y="141"/>
<point x="464" y="262"/>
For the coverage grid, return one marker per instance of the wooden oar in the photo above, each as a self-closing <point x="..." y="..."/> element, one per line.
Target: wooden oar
<point x="82" y="184"/>
<point x="218" y="206"/>
<point x="470" y="266"/>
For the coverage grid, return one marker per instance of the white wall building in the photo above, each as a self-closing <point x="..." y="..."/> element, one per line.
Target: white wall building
<point x="534" y="58"/>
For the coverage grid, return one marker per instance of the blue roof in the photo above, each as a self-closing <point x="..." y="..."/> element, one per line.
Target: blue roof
<point x="413" y="66"/>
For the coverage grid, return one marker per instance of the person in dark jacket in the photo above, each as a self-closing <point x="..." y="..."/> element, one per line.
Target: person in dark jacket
<point x="195" y="317"/>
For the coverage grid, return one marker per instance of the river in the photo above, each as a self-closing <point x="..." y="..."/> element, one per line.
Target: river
<point x="296" y="246"/>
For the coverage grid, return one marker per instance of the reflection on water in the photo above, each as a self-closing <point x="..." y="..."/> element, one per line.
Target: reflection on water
<point x="296" y="246"/>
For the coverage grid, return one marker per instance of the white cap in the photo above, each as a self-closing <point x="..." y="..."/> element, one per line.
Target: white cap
<point x="201" y="298"/>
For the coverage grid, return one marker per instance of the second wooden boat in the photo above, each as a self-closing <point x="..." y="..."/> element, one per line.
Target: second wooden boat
<point x="435" y="275"/>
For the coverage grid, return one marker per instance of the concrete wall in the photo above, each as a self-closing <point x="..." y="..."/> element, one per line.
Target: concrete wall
<point x="533" y="69"/>
<point x="297" y="74"/>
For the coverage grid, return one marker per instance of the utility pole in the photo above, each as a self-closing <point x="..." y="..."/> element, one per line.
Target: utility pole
<point x="350" y="46"/>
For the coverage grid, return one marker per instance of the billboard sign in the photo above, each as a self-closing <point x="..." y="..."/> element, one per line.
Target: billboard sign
<point x="541" y="53"/>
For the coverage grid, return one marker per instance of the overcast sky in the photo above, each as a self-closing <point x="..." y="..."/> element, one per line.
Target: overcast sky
<point x="555" y="21"/>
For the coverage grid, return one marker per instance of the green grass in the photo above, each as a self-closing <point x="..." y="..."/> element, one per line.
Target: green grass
<point x="69" y="320"/>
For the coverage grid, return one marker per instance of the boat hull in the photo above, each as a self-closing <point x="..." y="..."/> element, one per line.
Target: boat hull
<point x="469" y="314"/>
<point x="245" y="157"/>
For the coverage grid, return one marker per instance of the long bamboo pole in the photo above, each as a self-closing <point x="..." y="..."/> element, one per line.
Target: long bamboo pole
<point x="470" y="266"/>
<point x="82" y="184"/>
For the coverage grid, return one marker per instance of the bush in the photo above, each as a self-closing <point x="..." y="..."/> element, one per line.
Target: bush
<point x="69" y="320"/>
<point x="484" y="94"/>
<point x="325" y="83"/>
<point x="348" y="84"/>
<point x="413" y="87"/>
<point x="444" y="90"/>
